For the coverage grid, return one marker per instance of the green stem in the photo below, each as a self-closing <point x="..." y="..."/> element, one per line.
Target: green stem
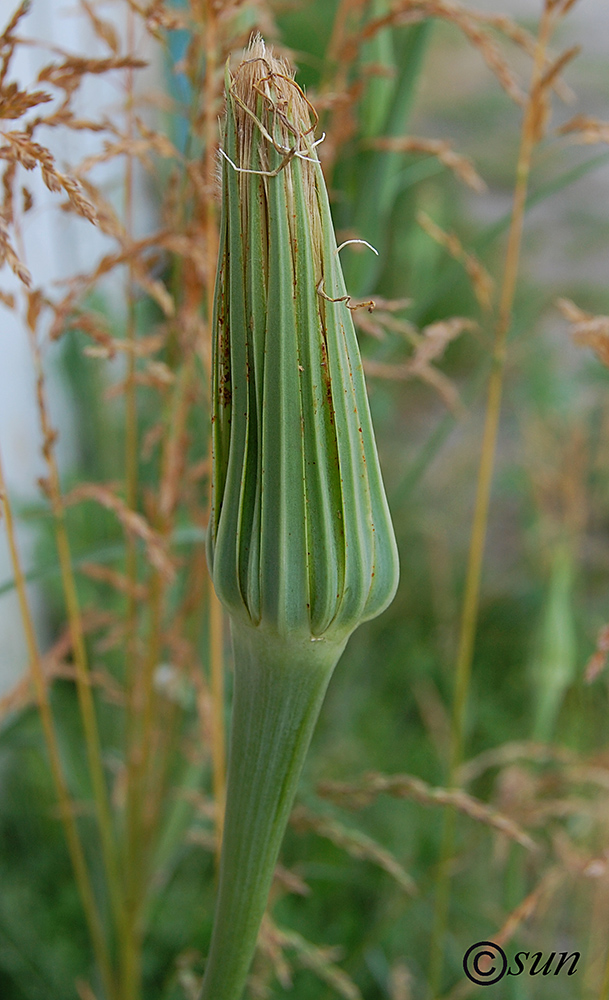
<point x="279" y="687"/>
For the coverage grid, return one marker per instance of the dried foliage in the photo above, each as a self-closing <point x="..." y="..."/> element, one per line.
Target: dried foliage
<point x="543" y="786"/>
<point x="586" y="130"/>
<point x="354" y="842"/>
<point x="362" y="793"/>
<point x="474" y="24"/>
<point x="275" y="941"/>
<point x="587" y="330"/>
<point x="482" y="283"/>
<point x="598" y="661"/>
<point x="429" y="346"/>
<point x="462" y="166"/>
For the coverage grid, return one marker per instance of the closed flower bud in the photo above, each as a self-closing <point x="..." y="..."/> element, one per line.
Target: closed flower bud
<point x="300" y="538"/>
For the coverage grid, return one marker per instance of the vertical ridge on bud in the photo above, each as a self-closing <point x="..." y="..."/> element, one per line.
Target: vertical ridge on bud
<point x="300" y="542"/>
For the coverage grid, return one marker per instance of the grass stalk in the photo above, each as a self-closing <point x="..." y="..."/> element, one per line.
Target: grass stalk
<point x="471" y="599"/>
<point x="129" y="944"/>
<point x="168" y="495"/>
<point x="149" y="755"/>
<point x="83" y="681"/>
<point x="75" y="849"/>
<point x="148" y="705"/>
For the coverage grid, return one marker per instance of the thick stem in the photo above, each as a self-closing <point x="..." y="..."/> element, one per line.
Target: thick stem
<point x="278" y="691"/>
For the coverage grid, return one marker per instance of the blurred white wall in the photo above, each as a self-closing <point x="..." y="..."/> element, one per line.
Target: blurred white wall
<point x="55" y="246"/>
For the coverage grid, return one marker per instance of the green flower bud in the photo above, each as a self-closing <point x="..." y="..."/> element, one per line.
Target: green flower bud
<point x="300" y="541"/>
<point x="300" y="536"/>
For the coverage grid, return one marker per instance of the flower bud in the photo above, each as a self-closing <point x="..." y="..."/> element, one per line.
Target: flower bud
<point x="300" y="538"/>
